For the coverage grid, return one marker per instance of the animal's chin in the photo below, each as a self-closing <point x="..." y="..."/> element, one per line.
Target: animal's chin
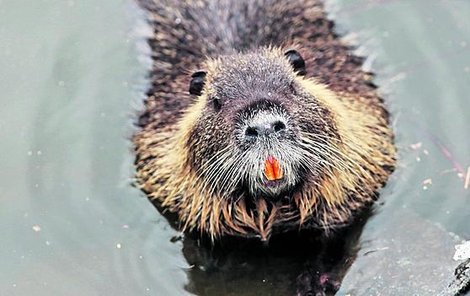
<point x="271" y="188"/>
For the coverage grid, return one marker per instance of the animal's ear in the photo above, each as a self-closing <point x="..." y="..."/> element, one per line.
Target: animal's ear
<point x="197" y="83"/>
<point x="297" y="62"/>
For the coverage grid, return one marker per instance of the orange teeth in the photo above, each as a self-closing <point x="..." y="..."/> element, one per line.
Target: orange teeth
<point x="272" y="169"/>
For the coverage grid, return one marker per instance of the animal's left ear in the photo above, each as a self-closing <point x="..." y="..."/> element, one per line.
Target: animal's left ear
<point x="197" y="83"/>
<point x="297" y="62"/>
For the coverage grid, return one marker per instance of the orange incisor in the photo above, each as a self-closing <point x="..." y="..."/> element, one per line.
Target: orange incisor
<point x="272" y="169"/>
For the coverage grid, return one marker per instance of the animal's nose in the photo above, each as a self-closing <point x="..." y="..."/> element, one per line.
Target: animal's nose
<point x="264" y="128"/>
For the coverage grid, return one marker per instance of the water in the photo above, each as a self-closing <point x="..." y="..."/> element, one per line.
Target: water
<point x="71" y="77"/>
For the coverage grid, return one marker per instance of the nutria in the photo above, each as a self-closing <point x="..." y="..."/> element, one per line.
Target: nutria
<point x="259" y="119"/>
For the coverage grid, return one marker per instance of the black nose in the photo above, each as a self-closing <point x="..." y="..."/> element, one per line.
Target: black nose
<point x="264" y="128"/>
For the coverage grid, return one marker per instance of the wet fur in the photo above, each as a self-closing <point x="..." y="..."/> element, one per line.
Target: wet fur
<point x="346" y="123"/>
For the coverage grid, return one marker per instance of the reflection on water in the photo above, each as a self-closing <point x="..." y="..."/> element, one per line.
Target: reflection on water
<point x="291" y="264"/>
<point x="72" y="224"/>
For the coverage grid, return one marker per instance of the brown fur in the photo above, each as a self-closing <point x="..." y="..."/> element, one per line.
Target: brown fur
<point x="172" y="154"/>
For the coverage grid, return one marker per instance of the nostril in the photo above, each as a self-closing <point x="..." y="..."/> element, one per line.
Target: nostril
<point x="278" y="126"/>
<point x="251" y="132"/>
<point x="259" y="129"/>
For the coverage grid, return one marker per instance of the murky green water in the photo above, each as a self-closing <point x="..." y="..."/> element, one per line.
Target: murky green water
<point x="72" y="224"/>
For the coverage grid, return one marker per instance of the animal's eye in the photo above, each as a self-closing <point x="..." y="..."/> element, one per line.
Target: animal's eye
<point x="293" y="88"/>
<point x="217" y="104"/>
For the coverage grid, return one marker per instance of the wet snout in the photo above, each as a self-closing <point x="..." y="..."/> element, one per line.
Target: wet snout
<point x="265" y="124"/>
<point x="268" y="144"/>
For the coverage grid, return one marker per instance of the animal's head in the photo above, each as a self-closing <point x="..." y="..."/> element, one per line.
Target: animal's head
<point x="263" y="146"/>
<point x="259" y="132"/>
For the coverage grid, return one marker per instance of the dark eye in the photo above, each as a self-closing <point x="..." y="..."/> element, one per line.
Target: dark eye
<point x="292" y="88"/>
<point x="217" y="104"/>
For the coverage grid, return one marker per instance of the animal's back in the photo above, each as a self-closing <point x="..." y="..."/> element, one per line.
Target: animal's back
<point x="187" y="32"/>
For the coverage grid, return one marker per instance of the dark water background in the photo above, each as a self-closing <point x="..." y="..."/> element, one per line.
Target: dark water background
<point x="72" y="76"/>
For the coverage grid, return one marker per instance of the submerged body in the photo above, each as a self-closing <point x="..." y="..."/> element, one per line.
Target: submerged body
<point x="280" y="129"/>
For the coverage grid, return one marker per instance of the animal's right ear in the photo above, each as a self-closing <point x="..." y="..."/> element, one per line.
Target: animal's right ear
<point x="197" y="83"/>
<point x="297" y="62"/>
